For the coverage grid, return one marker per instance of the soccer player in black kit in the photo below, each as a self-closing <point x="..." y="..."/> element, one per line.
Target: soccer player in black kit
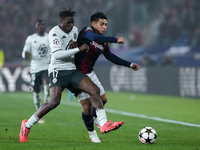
<point x="94" y="36"/>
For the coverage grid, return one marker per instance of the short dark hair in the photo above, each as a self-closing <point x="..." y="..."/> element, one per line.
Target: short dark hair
<point x="67" y="13"/>
<point x="39" y="20"/>
<point x="98" y="15"/>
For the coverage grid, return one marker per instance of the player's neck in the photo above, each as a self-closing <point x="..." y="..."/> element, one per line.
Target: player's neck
<point x="40" y="34"/>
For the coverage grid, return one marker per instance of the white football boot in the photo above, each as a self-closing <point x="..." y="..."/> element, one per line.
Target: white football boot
<point x="94" y="137"/>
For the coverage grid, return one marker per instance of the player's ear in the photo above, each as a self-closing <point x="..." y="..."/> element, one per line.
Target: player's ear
<point x="93" y="23"/>
<point x="60" y="21"/>
<point x="36" y="25"/>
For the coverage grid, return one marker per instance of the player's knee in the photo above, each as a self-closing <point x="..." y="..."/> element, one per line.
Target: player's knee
<point x="87" y="107"/>
<point x="104" y="101"/>
<point x="87" y="110"/>
<point x="36" y="89"/>
<point x="54" y="103"/>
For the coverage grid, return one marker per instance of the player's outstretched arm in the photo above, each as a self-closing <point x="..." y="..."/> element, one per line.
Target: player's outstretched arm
<point x="100" y="38"/>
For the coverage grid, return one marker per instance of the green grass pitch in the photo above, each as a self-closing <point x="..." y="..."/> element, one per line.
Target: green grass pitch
<point x="64" y="129"/>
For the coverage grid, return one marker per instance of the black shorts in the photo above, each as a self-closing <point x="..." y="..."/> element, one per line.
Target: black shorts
<point x="36" y="78"/>
<point x="69" y="79"/>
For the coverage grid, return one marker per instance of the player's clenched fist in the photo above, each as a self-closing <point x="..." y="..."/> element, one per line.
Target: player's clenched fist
<point x="120" y="40"/>
<point x="134" y="66"/>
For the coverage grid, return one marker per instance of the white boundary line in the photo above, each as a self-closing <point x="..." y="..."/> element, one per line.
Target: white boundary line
<point x="137" y="115"/>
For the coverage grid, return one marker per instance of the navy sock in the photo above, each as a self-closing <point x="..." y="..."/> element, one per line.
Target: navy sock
<point x="94" y="112"/>
<point x="89" y="122"/>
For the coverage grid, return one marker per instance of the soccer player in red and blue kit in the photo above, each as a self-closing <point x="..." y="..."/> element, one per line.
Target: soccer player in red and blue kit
<point x="94" y="36"/>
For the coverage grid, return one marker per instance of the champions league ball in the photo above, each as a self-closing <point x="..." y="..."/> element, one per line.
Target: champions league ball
<point x="147" y="135"/>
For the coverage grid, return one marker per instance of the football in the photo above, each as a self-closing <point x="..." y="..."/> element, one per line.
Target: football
<point x="147" y="135"/>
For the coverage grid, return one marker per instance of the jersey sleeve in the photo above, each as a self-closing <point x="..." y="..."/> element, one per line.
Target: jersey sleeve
<point x="27" y="46"/>
<point x="57" y="51"/>
<point x="115" y="59"/>
<point x="99" y="38"/>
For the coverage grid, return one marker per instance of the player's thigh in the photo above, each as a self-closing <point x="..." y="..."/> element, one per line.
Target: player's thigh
<point x="55" y="94"/>
<point x="88" y="86"/>
<point x="96" y="81"/>
<point x="81" y="82"/>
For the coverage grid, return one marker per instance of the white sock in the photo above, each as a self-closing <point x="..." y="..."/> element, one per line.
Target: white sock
<point x="36" y="100"/>
<point x="101" y="116"/>
<point x="46" y="93"/>
<point x="31" y="121"/>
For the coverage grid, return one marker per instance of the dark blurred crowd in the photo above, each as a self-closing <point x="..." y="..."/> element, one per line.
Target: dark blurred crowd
<point x="178" y="24"/>
<point x="18" y="18"/>
<point x="178" y="21"/>
<point x="181" y="23"/>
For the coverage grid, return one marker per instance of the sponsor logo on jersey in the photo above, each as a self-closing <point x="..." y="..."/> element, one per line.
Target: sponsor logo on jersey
<point x="96" y="45"/>
<point x="75" y="36"/>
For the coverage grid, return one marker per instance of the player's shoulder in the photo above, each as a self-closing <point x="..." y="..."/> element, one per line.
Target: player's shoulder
<point x="32" y="36"/>
<point x="55" y="31"/>
<point x="74" y="29"/>
<point x="74" y="33"/>
<point x="84" y="30"/>
<point x="87" y="28"/>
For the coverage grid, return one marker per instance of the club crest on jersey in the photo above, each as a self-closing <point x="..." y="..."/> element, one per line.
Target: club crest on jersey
<point x="96" y="45"/>
<point x="56" y="41"/>
<point x="75" y="36"/>
<point x="54" y="80"/>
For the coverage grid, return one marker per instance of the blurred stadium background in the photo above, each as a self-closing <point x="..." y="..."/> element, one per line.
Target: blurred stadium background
<point x="162" y="36"/>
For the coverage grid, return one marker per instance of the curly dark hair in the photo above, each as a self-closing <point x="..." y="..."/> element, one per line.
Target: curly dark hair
<point x="67" y="13"/>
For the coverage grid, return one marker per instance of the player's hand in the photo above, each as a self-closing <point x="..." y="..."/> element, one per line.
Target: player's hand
<point x="74" y="44"/>
<point x="84" y="47"/>
<point x="120" y="40"/>
<point x="134" y="66"/>
<point x="27" y="54"/>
